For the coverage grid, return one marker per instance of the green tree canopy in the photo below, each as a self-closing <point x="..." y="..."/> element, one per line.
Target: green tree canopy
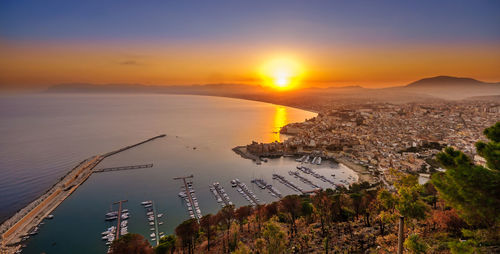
<point x="473" y="190"/>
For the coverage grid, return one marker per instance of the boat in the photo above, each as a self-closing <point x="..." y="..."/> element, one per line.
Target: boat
<point x="146" y="202"/>
<point x="50" y="216"/>
<point x="152" y="235"/>
<point x="160" y="215"/>
<point x="111" y="218"/>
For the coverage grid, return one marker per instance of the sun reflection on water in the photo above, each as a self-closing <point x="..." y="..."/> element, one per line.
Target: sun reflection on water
<point x="280" y="120"/>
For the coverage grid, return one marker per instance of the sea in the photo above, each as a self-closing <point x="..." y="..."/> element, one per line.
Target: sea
<point x="43" y="136"/>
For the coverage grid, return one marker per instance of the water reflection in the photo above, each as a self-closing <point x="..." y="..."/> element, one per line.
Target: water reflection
<point x="280" y="120"/>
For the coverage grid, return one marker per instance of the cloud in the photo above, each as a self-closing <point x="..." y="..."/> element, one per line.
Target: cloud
<point x="130" y="62"/>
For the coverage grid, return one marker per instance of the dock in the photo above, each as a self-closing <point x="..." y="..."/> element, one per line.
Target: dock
<point x="316" y="175"/>
<point x="263" y="185"/>
<point x="303" y="179"/>
<point x="188" y="194"/>
<point x="245" y="192"/>
<point x="25" y="220"/>
<point x="287" y="183"/>
<point x="220" y="194"/>
<point x="123" y="168"/>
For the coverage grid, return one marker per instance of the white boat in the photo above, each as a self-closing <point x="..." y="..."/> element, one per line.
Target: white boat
<point x="152" y="235"/>
<point x="160" y="215"/>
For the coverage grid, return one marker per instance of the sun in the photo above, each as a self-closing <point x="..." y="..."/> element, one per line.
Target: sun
<point x="281" y="73"/>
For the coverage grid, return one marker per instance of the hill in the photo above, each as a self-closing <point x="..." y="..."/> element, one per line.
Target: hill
<point x="447" y="87"/>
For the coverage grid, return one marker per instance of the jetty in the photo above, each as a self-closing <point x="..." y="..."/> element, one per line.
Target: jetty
<point x="303" y="179"/>
<point x="287" y="183"/>
<point x="220" y="194"/>
<point x="245" y="192"/>
<point x="14" y="230"/>
<point x="123" y="168"/>
<point x="316" y="175"/>
<point x="188" y="194"/>
<point x="263" y="185"/>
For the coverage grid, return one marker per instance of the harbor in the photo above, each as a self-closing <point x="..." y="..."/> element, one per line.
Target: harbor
<point x="18" y="228"/>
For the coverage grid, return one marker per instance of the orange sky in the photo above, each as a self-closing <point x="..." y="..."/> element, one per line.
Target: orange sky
<point x="28" y="65"/>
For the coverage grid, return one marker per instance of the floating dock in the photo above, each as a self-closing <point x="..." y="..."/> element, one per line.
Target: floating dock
<point x="245" y="192"/>
<point x="303" y="179"/>
<point x="287" y="183"/>
<point x="188" y="194"/>
<point x="263" y="185"/>
<point x="316" y="175"/>
<point x="220" y="194"/>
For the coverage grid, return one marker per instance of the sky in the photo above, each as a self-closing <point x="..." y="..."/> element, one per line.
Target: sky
<point x="336" y="43"/>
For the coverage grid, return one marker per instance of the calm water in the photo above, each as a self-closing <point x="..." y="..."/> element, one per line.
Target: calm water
<point x="43" y="136"/>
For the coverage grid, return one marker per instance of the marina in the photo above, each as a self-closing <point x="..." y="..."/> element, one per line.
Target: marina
<point x="245" y="192"/>
<point x="220" y="194"/>
<point x="263" y="185"/>
<point x="287" y="183"/>
<point x="303" y="179"/>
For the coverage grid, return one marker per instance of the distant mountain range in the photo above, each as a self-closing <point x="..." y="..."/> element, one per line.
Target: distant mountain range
<point x="440" y="87"/>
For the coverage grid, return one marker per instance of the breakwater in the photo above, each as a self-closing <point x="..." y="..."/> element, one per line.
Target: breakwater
<point x="17" y="228"/>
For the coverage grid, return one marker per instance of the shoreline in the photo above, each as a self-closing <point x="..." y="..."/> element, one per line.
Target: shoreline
<point x="25" y="221"/>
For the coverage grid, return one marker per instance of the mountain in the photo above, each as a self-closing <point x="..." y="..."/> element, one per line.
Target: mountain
<point x="440" y="87"/>
<point x="447" y="87"/>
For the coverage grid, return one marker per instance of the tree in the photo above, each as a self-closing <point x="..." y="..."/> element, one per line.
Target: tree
<point x="322" y="204"/>
<point x="187" y="231"/>
<point x="410" y="204"/>
<point x="206" y="224"/>
<point x="274" y="237"/>
<point x="166" y="245"/>
<point x="291" y="205"/>
<point x="471" y="189"/>
<point x="131" y="244"/>
<point x="225" y="217"/>
<point x="242" y="214"/>
<point x="307" y="210"/>
<point x="415" y="245"/>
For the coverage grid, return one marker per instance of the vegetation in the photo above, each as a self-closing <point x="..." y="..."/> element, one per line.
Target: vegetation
<point x="453" y="213"/>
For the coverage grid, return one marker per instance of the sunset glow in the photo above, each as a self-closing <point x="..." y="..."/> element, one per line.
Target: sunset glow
<point x="282" y="73"/>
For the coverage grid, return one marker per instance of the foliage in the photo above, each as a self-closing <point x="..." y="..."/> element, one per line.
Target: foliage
<point x="131" y="244"/>
<point x="186" y="232"/>
<point x="242" y="249"/>
<point x="415" y="244"/>
<point x="274" y="237"/>
<point x="471" y="189"/>
<point x="166" y="245"/>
